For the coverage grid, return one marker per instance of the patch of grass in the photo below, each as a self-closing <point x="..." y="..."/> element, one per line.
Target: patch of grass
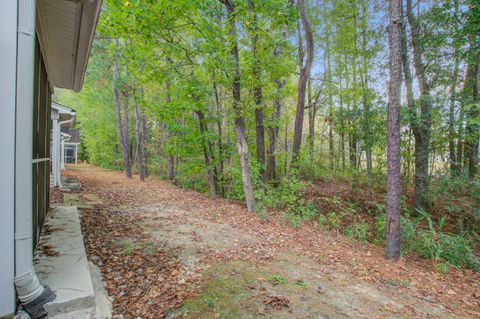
<point x="227" y="293"/>
<point x="358" y="231"/>
<point x="301" y="284"/>
<point x="276" y="280"/>
<point x="149" y="248"/>
<point x="334" y="220"/>
<point x="128" y="248"/>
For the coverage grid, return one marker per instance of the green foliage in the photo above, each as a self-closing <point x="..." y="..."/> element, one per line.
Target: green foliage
<point x="334" y="220"/>
<point x="276" y="280"/>
<point x="429" y="240"/>
<point x="358" y="231"/>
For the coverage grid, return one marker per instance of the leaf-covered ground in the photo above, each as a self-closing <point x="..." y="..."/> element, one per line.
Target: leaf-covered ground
<point x="171" y="252"/>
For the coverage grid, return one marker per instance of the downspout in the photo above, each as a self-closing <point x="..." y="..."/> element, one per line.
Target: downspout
<point x="62" y="148"/>
<point x="28" y="287"/>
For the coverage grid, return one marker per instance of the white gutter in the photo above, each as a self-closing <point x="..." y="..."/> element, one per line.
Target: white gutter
<point x="26" y="281"/>
<point x="62" y="144"/>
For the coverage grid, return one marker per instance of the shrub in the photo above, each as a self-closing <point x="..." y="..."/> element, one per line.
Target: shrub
<point x="334" y="220"/>
<point x="358" y="230"/>
<point x="430" y="241"/>
<point x="287" y="194"/>
<point x="440" y="246"/>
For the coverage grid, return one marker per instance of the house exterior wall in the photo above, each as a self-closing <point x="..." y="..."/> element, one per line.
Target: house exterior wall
<point x="8" y="56"/>
<point x="39" y="157"/>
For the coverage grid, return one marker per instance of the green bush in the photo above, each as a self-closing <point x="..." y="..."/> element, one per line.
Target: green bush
<point x="334" y="220"/>
<point x="429" y="240"/>
<point x="296" y="214"/>
<point x="286" y="194"/>
<point x="440" y="246"/>
<point x="358" y="231"/>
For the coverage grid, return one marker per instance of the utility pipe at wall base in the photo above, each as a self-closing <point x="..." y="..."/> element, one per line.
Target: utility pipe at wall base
<point x="62" y="148"/>
<point x="29" y="289"/>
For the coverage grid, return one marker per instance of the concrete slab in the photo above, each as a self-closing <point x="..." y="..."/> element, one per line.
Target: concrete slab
<point x="80" y="314"/>
<point x="64" y="266"/>
<point x="103" y="303"/>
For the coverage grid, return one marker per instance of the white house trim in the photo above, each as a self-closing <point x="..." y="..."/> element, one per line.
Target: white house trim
<point x="8" y="58"/>
<point x="26" y="281"/>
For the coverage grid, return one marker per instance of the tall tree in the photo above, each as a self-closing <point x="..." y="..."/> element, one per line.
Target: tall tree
<point x="423" y="122"/>
<point x="302" y="80"/>
<point x="122" y="127"/>
<point x="257" y="90"/>
<point x="392" y="247"/>
<point x="170" y="155"/>
<point x="242" y="146"/>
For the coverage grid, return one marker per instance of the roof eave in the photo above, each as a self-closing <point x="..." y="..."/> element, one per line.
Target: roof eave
<point x="89" y="20"/>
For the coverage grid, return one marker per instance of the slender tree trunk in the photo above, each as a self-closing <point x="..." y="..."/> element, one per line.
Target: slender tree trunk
<point x="118" y="111"/>
<point x="470" y="99"/>
<point x="170" y="155"/>
<point x="392" y="247"/>
<point x="354" y="162"/>
<point x="273" y="128"/>
<point x="302" y="81"/>
<point x="242" y="146"/>
<point x="453" y="98"/>
<point x="258" y="95"/>
<point x="207" y="151"/>
<point x="144" y="137"/>
<point x="459" y="157"/>
<point x="365" y="98"/>
<point x="311" y="118"/>
<point x="424" y="121"/>
<point x="220" y="175"/>
<point x="342" y="123"/>
<point x="138" y="137"/>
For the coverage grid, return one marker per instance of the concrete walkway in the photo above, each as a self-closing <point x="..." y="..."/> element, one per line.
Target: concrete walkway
<point x="61" y="263"/>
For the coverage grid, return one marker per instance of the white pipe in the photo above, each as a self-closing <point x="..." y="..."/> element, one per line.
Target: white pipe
<point x="62" y="154"/>
<point x="26" y="281"/>
<point x="55" y="142"/>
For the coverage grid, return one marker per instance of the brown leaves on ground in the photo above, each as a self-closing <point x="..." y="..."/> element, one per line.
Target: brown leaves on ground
<point x="48" y="250"/>
<point x="143" y="277"/>
<point x="410" y="276"/>
<point x="277" y="302"/>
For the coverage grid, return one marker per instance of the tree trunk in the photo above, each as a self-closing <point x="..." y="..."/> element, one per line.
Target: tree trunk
<point x="365" y="99"/>
<point x="424" y="121"/>
<point x="170" y="155"/>
<point x="302" y="81"/>
<point x="258" y="95"/>
<point x="453" y="97"/>
<point x="139" y="141"/>
<point x="207" y="151"/>
<point x="220" y="175"/>
<point x="126" y="146"/>
<point x="342" y="123"/>
<point x="392" y="247"/>
<point x="331" y="151"/>
<point x="311" y="118"/>
<point x="470" y="99"/>
<point x="242" y="146"/>
<point x="273" y="129"/>
<point x="118" y="111"/>
<point x="354" y="161"/>
<point x="144" y="137"/>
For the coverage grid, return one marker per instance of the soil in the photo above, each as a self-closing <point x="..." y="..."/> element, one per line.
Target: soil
<point x="175" y="253"/>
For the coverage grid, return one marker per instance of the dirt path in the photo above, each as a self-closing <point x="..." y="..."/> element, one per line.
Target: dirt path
<point x="165" y="251"/>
